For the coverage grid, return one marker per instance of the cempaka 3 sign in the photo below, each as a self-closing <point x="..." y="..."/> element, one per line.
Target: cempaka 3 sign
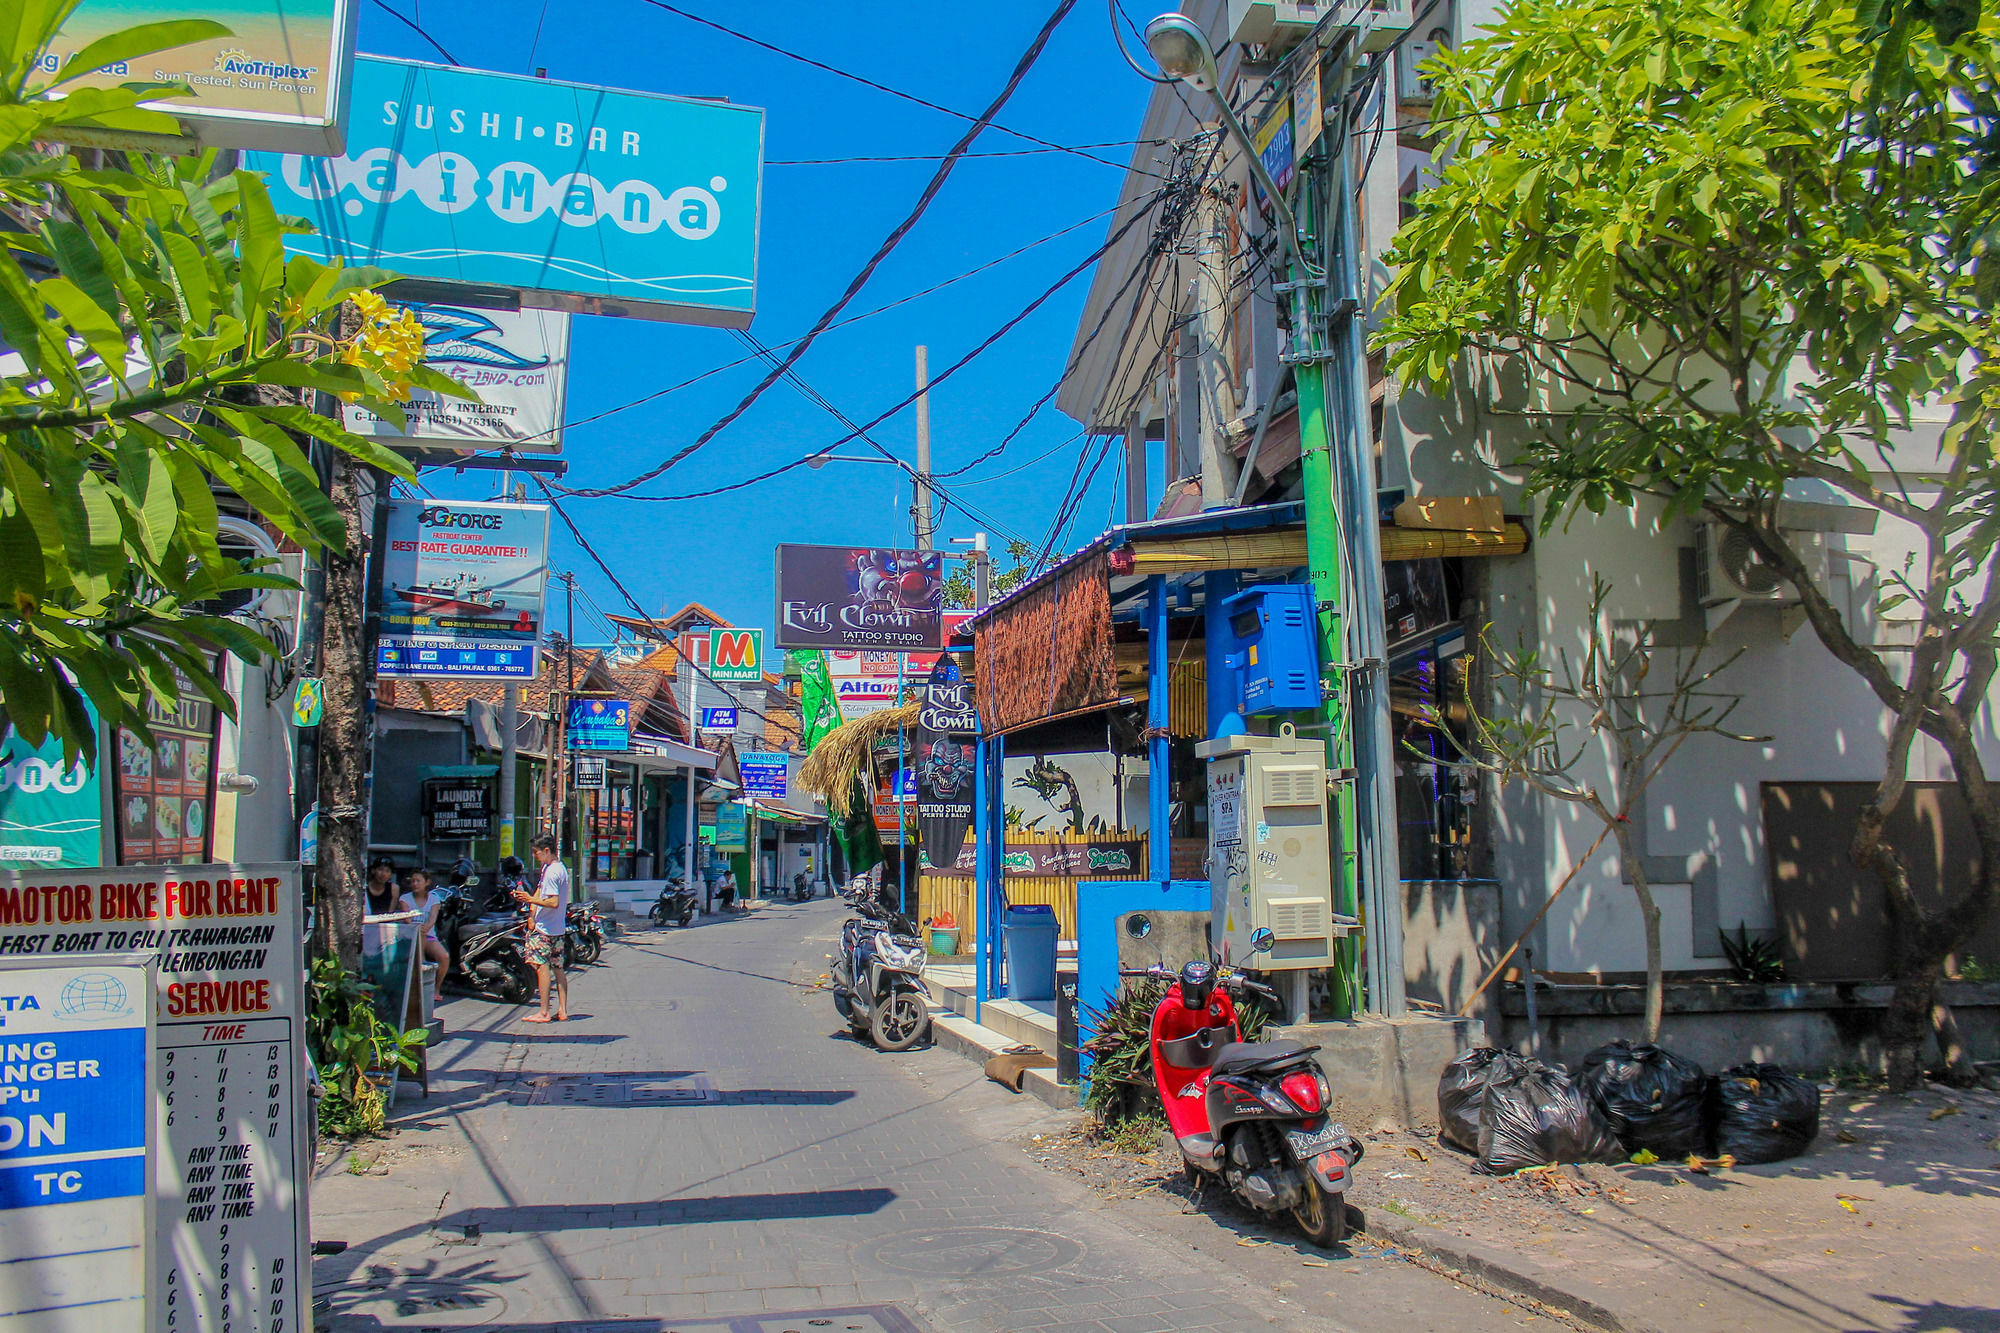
<point x="581" y="198"/>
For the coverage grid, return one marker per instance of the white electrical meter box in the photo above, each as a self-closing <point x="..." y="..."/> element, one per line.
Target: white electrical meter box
<point x="1269" y="861"/>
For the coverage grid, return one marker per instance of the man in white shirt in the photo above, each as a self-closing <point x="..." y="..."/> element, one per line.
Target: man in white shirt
<point x="550" y="901"/>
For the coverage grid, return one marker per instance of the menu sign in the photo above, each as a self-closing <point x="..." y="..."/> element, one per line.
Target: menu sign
<point x="164" y="793"/>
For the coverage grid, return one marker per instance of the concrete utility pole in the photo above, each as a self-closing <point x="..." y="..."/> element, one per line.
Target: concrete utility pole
<point x="982" y="571"/>
<point x="510" y="722"/>
<point x="1215" y="375"/>
<point x="1328" y="355"/>
<point x="922" y="507"/>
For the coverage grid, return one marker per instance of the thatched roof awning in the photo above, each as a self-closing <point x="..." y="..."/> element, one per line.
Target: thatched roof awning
<point x="1046" y="652"/>
<point x="843" y="754"/>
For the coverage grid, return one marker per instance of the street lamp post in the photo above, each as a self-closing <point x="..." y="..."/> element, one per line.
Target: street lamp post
<point x="1345" y="574"/>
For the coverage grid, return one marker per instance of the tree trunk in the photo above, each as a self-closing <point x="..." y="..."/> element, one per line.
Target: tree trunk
<point x="1649" y="913"/>
<point x="1907" y="1022"/>
<point x="343" y="739"/>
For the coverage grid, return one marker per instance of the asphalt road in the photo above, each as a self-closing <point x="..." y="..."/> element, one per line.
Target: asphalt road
<point x="705" y="1147"/>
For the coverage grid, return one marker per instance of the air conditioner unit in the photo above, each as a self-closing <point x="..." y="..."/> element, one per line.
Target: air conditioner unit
<point x="1412" y="88"/>
<point x="1727" y="567"/>
<point x="1279" y="25"/>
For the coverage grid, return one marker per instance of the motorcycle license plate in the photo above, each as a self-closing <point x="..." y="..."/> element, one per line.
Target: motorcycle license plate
<point x="1308" y="1144"/>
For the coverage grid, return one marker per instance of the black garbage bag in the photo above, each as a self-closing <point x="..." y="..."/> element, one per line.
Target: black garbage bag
<point x="1652" y="1099"/>
<point x="1534" y="1114"/>
<point x="1461" y="1090"/>
<point x="1763" y="1114"/>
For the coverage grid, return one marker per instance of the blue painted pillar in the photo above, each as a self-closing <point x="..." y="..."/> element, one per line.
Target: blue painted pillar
<point x="993" y="860"/>
<point x="1159" y="794"/>
<point x="1224" y="693"/>
<point x="982" y="835"/>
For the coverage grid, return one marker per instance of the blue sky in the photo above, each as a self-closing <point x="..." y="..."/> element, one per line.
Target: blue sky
<point x="820" y="223"/>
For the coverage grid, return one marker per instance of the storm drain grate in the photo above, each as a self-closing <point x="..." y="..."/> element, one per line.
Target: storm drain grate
<point x="665" y="1089"/>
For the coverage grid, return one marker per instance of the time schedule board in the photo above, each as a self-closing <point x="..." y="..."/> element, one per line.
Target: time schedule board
<point x="75" y="1118"/>
<point x="228" y="1158"/>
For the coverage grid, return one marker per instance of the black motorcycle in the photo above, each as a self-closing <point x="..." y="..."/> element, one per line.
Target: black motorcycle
<point x="489" y="956"/>
<point x="676" y="903"/>
<point x="583" y="942"/>
<point x="876" y="978"/>
<point x="802" y="887"/>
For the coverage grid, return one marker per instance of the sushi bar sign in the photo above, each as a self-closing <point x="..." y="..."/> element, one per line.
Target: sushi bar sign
<point x="462" y="590"/>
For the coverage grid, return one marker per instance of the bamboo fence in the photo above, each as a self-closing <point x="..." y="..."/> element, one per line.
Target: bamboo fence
<point x="956" y="893"/>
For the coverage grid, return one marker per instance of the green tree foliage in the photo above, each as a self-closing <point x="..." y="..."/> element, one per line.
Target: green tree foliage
<point x="1733" y="258"/>
<point x="958" y="588"/>
<point x="159" y="345"/>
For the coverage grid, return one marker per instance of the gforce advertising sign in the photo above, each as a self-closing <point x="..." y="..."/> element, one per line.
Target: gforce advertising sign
<point x="860" y="597"/>
<point x="517" y="361"/>
<point x="226" y="1139"/>
<point x="583" y="198"/>
<point x="462" y="589"/>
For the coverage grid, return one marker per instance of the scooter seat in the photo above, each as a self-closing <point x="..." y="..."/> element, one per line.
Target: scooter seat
<point x="1239" y="1055"/>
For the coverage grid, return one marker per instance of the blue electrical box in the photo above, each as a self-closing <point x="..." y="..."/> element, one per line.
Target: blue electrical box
<point x="1273" y="647"/>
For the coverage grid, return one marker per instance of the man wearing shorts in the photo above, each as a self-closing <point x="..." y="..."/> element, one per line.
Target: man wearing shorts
<point x="550" y="903"/>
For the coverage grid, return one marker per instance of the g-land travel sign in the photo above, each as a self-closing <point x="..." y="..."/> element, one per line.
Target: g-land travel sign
<point x="229" y="1151"/>
<point x="278" y="81"/>
<point x="76" y="1108"/>
<point x="462" y="589"/>
<point x="584" y="199"/>
<point x="517" y="361"/>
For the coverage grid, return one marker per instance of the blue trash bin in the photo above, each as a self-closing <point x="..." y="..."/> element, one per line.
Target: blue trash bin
<point x="1031" y="932"/>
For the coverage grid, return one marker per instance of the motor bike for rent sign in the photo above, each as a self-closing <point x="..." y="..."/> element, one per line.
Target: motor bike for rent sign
<point x="228" y="1149"/>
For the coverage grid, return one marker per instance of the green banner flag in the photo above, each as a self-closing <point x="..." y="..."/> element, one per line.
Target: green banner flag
<point x="819" y="709"/>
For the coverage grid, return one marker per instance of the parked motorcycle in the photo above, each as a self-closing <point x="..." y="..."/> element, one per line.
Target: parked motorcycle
<point x="802" y="887"/>
<point x="1253" y="1114"/>
<point x="488" y="950"/>
<point x="676" y="903"/>
<point x="583" y="943"/>
<point x="876" y="979"/>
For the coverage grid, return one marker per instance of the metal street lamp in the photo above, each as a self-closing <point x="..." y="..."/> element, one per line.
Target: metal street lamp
<point x="818" y="461"/>
<point x="1182" y="50"/>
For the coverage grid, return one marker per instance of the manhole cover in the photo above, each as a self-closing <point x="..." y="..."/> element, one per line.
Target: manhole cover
<point x="416" y="1304"/>
<point x="974" y="1252"/>
<point x="621" y="1090"/>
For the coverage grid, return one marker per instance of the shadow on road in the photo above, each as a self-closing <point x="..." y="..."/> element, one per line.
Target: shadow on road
<point x="541" y="1218"/>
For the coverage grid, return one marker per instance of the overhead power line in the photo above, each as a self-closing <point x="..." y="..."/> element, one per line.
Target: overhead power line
<point x="865" y="82"/>
<point x="418" y="29"/>
<point x="933" y="157"/>
<point x="1042" y="299"/>
<point x="860" y="280"/>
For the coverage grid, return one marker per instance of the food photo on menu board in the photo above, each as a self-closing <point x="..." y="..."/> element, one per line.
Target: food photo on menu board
<point x="165" y="790"/>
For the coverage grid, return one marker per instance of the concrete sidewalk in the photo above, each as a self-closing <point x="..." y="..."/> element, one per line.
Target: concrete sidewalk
<point x="1891" y="1222"/>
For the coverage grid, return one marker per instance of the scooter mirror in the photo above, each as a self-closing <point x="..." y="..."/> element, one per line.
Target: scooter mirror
<point x="1262" y="940"/>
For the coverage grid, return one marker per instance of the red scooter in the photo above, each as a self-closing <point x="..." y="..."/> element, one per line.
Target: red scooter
<point x="1252" y="1113"/>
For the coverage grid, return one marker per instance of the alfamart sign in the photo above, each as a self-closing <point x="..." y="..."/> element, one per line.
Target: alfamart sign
<point x="584" y="199"/>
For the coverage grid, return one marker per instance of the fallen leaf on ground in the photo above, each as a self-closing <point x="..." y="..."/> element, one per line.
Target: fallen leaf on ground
<point x="1253" y="1240"/>
<point x="1853" y="1198"/>
<point x="1848" y="1204"/>
<point x="1701" y="1165"/>
<point x="1845" y="1136"/>
<point x="1949" y="1108"/>
<point x="1417" y="1153"/>
<point x="1544" y="1169"/>
<point x="1645" y="1157"/>
<point x="1315" y="1263"/>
